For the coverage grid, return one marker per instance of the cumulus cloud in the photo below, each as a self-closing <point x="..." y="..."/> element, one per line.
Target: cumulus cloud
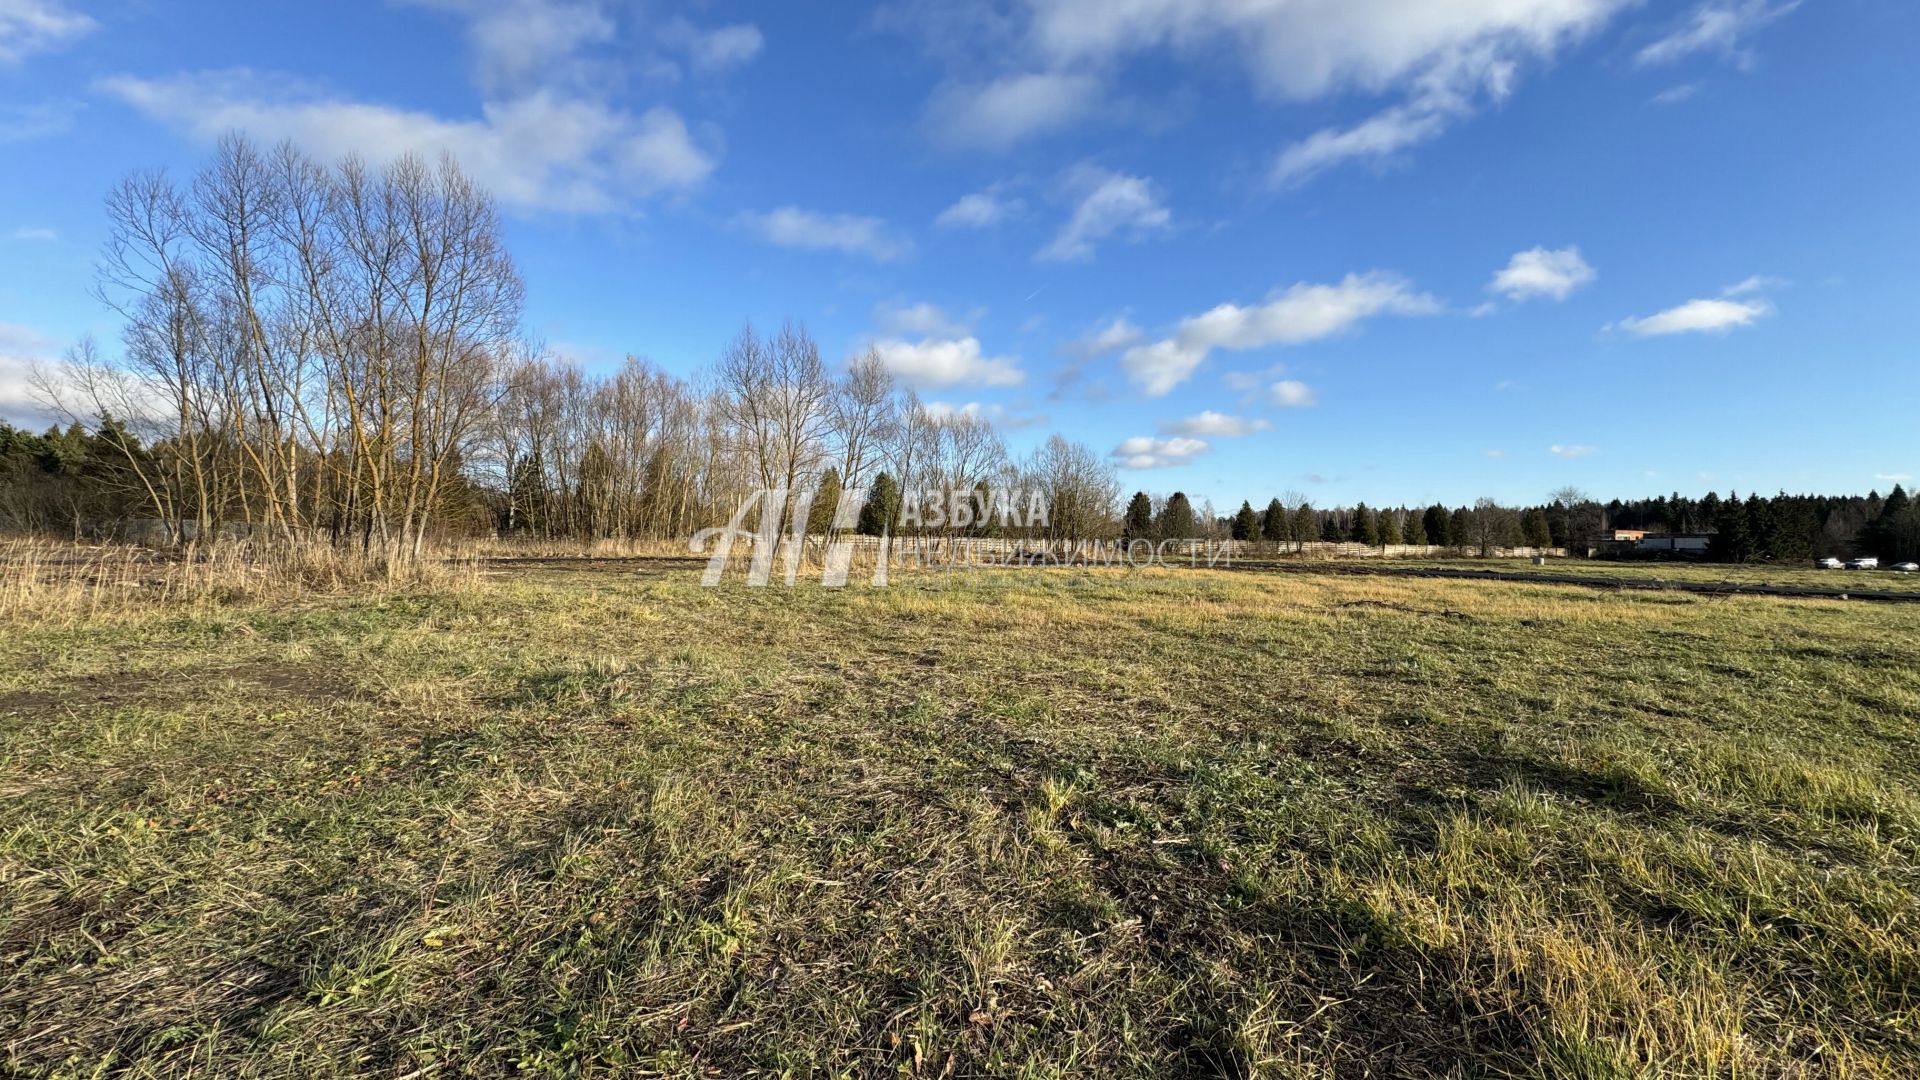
<point x="543" y="151"/>
<point x="1107" y="203"/>
<point x="1111" y="338"/>
<point x="1000" y="113"/>
<point x="716" y="49"/>
<point x="997" y="415"/>
<point x="1210" y="424"/>
<point x="1540" y="272"/>
<point x="939" y="362"/>
<point x="1289" y="394"/>
<point x="1560" y="450"/>
<point x="23" y="351"/>
<point x="979" y="210"/>
<point x="921" y="320"/>
<point x="1146" y="452"/>
<point x="28" y="27"/>
<point x="1699" y="317"/>
<point x="1718" y="27"/>
<point x="519" y="42"/>
<point x="1304" y="312"/>
<point x="790" y="226"/>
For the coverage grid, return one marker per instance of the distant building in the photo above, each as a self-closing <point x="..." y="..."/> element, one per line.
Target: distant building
<point x="1628" y="534"/>
<point x="1672" y="543"/>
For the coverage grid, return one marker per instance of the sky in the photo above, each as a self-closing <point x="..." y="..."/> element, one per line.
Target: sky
<point x="1398" y="251"/>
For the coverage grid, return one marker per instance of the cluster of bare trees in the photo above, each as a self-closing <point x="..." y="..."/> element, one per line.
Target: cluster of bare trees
<point x="306" y="347"/>
<point x="336" y="350"/>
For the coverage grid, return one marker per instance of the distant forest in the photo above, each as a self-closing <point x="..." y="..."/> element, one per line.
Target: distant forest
<point x="327" y="351"/>
<point x="78" y="482"/>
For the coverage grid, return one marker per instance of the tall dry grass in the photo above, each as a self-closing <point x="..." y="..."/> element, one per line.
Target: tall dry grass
<point x="48" y="579"/>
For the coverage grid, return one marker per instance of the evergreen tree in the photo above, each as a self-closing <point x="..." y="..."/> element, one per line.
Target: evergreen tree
<point x="1535" y="531"/>
<point x="1459" y="527"/>
<point x="826" y="497"/>
<point x="1794" y="527"/>
<point x="1246" y="523"/>
<point x="1306" y="523"/>
<point x="1437" y="525"/>
<point x="1330" y="530"/>
<point x="1390" y="527"/>
<point x="1139" y="520"/>
<point x="1730" y="543"/>
<point x="1415" y="532"/>
<point x="1275" y="525"/>
<point x="1176" y="518"/>
<point x="882" y="511"/>
<point x="1364" y="529"/>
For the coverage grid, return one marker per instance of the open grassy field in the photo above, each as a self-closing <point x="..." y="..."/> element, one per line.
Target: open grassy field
<point x="1732" y="576"/>
<point x="584" y="821"/>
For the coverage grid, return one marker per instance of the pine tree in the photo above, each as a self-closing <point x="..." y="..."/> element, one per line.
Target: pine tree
<point x="1176" y="518"/>
<point x="1730" y="542"/>
<point x="1246" y="523"/>
<point x="1389" y="527"/>
<point x="1306" y="523"/>
<point x="1535" y="531"/>
<point x="1275" y="525"/>
<point x="882" y="511"/>
<point x="1364" y="529"/>
<point x="1436" y="522"/>
<point x="1139" y="522"/>
<point x="1415" y="533"/>
<point x="1330" y="531"/>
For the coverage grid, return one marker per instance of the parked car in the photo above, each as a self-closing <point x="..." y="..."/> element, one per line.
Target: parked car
<point x="1828" y="563"/>
<point x="1864" y="563"/>
<point x="1905" y="567"/>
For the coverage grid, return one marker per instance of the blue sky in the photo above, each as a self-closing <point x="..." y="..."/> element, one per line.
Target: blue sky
<point x="1381" y="250"/>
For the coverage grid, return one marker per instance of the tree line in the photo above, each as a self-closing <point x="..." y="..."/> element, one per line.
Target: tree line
<point x="337" y="351"/>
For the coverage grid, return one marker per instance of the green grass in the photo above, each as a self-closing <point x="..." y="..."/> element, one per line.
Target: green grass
<point x="1030" y="824"/>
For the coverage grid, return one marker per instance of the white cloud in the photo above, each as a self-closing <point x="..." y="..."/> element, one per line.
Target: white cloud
<point x="1559" y="450"/>
<point x="1304" y="312"/>
<point x="1699" y="316"/>
<point x="543" y="150"/>
<point x="22" y="351"/>
<point x="1717" y="27"/>
<point x="517" y="43"/>
<point x="1116" y="335"/>
<point x="947" y="362"/>
<point x="1288" y="394"/>
<point x="1540" y="272"/>
<point x="717" y="49"/>
<point x="996" y="115"/>
<point x="1108" y="203"/>
<point x="1212" y="424"/>
<point x="997" y="415"/>
<point x="1379" y="136"/>
<point x="980" y="210"/>
<point x="32" y="234"/>
<point x="920" y="320"/>
<point x="1896" y="477"/>
<point x="36" y="26"/>
<point x="1758" y="283"/>
<point x="1146" y="452"/>
<point x="1675" y="95"/>
<point x="1494" y="453"/>
<point x="790" y="226"/>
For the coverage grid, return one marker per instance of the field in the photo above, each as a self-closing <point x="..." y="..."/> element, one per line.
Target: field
<point x="589" y="819"/>
<point x="1728" y="576"/>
